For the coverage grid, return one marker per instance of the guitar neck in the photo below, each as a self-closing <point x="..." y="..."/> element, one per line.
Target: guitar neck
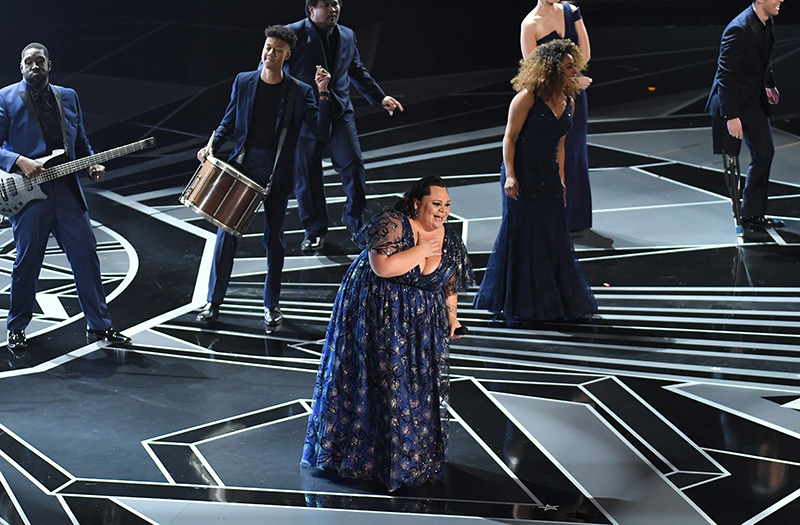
<point x="73" y="166"/>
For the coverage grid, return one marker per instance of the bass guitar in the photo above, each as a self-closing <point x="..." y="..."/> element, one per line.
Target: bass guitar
<point x="17" y="189"/>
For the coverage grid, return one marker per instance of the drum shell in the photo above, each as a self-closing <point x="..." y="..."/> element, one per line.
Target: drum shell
<point x="223" y="195"/>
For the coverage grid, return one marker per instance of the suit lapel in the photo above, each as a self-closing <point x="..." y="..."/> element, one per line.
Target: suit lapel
<point x="62" y="119"/>
<point x="27" y="99"/>
<point x="341" y="65"/>
<point x="250" y="97"/>
<point x="315" y="41"/>
<point x="771" y="44"/>
<point x="756" y="27"/>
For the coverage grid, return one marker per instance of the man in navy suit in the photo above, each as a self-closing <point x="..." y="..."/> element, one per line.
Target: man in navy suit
<point x="36" y="118"/>
<point x="743" y="89"/>
<point x="322" y="41"/>
<point x="260" y="103"/>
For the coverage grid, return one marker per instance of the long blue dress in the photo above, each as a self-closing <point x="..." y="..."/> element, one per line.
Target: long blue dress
<point x="532" y="273"/>
<point x="576" y="161"/>
<point x="379" y="409"/>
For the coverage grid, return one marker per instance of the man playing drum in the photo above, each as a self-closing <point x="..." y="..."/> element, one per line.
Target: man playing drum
<point x="263" y="118"/>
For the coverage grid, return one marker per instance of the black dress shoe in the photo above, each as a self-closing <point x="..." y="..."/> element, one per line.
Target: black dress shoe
<point x="273" y="316"/>
<point x="109" y="335"/>
<point x="313" y="243"/>
<point x="210" y="312"/>
<point x="17" y="341"/>
<point x="761" y="222"/>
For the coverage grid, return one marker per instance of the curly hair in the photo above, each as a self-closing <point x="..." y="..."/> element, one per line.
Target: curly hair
<point x="540" y="73"/>
<point x="418" y="190"/>
<point x="282" y="33"/>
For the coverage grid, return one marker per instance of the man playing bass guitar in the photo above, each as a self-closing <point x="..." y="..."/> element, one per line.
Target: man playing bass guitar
<point x="37" y="117"/>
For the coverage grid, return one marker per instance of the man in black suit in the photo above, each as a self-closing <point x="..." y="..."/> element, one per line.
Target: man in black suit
<point x="743" y="90"/>
<point x="322" y="41"/>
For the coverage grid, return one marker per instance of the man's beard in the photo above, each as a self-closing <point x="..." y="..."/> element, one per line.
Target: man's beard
<point x="37" y="82"/>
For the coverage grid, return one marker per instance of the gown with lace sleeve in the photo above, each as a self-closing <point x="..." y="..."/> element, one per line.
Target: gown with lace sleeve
<point x="379" y="405"/>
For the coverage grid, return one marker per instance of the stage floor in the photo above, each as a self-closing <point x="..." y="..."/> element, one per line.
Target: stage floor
<point x="677" y="403"/>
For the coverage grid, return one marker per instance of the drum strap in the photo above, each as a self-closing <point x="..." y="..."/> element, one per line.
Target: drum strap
<point x="294" y="87"/>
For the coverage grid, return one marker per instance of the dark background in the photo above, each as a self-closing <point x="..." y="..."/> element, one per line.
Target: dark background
<point x="168" y="65"/>
<point x="414" y="38"/>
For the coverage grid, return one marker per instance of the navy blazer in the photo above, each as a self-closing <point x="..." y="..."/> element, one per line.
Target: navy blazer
<point x="21" y="134"/>
<point x="742" y="76"/>
<point x="239" y="114"/>
<point x="308" y="53"/>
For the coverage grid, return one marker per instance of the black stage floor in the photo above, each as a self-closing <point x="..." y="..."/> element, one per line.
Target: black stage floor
<point x="678" y="403"/>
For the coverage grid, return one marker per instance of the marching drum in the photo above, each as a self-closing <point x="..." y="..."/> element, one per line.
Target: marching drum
<point x="223" y="195"/>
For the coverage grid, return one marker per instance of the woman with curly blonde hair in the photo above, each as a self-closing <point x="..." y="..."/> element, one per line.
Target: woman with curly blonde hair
<point x="550" y="20"/>
<point x="532" y="273"/>
<point x="541" y="71"/>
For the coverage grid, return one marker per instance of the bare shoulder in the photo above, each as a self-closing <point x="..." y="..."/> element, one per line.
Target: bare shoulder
<point x="523" y="99"/>
<point x="531" y="19"/>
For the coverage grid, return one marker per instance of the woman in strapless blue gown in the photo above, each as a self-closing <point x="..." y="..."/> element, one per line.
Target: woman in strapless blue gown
<point x="551" y="20"/>
<point x="532" y="273"/>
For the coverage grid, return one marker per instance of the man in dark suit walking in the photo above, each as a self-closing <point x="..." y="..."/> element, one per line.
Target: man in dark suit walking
<point x="263" y="102"/>
<point x="37" y="117"/>
<point x="743" y="90"/>
<point x="322" y="41"/>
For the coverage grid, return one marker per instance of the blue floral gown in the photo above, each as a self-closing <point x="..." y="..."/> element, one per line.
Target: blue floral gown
<point x="379" y="410"/>
<point x="532" y="273"/>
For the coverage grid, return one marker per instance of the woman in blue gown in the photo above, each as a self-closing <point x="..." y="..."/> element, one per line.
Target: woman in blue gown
<point x="551" y="20"/>
<point x="379" y="409"/>
<point x="532" y="273"/>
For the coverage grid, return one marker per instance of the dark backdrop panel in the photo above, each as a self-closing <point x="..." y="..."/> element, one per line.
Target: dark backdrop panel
<point x="414" y="38"/>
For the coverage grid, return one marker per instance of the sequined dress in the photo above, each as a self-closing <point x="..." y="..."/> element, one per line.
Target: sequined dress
<point x="379" y="404"/>
<point x="576" y="157"/>
<point x="532" y="273"/>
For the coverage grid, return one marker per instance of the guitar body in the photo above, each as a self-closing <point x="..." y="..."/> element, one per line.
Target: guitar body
<point x="17" y="190"/>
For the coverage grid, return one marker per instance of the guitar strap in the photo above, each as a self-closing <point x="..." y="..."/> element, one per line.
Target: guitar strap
<point x="63" y="119"/>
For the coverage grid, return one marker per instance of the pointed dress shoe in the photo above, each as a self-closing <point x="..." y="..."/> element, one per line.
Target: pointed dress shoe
<point x="273" y="316"/>
<point x="16" y="341"/>
<point x="209" y="313"/>
<point x="109" y="335"/>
